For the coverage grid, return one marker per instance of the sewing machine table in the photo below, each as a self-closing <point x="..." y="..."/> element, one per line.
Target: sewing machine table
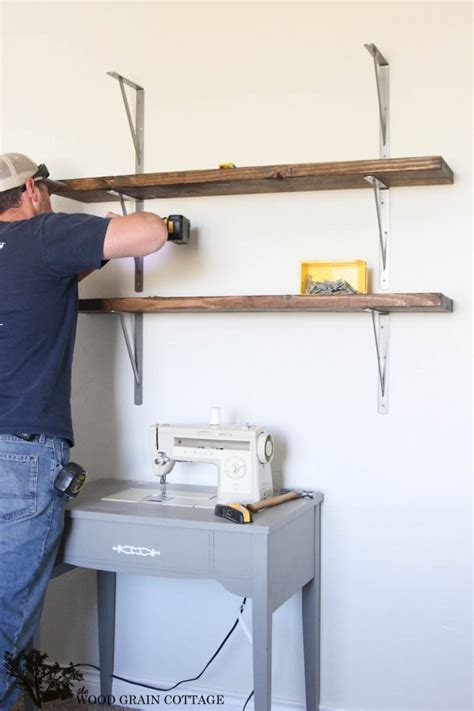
<point x="269" y="561"/>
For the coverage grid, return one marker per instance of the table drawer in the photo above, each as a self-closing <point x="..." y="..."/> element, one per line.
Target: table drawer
<point x="145" y="548"/>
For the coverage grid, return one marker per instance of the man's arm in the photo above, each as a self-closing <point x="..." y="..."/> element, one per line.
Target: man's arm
<point x="132" y="236"/>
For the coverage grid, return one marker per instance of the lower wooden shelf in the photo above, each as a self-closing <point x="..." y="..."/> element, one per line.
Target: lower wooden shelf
<point x="385" y="303"/>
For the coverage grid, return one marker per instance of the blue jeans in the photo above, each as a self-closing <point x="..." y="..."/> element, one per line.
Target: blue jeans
<point x="31" y="524"/>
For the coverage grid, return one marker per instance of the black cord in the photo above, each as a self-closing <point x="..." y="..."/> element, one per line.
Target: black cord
<point x="248" y="699"/>
<point x="157" y="688"/>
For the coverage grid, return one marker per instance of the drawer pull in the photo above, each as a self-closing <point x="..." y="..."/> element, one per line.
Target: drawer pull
<point x="134" y="550"/>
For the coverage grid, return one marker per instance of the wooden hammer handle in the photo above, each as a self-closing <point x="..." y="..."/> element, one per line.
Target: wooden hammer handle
<point x="273" y="501"/>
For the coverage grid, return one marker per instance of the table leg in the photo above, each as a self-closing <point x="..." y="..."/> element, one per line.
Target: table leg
<point x="106" y="583"/>
<point x="311" y="624"/>
<point x="261" y="627"/>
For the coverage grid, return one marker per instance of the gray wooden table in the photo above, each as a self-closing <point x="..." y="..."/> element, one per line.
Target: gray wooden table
<point x="269" y="560"/>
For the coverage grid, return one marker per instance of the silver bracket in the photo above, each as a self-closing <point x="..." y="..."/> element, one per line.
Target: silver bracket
<point x="135" y="352"/>
<point x="137" y="131"/>
<point x="382" y="76"/>
<point x="382" y="204"/>
<point x="137" y="128"/>
<point x="380" y="325"/>
<point x="122" y="204"/>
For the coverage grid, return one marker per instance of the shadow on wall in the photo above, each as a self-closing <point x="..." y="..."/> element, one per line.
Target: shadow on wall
<point x="94" y="397"/>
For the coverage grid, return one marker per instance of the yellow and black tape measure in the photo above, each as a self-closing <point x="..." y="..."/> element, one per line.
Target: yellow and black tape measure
<point x="237" y="513"/>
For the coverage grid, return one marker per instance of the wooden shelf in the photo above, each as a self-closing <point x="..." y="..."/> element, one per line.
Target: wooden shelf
<point x="423" y="302"/>
<point x="394" y="172"/>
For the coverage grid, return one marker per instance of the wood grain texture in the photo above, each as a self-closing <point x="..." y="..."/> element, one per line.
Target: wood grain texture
<point x="341" y="175"/>
<point x="422" y="302"/>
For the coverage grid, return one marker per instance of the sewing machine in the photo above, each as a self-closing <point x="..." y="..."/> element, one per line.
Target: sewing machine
<point x="242" y="456"/>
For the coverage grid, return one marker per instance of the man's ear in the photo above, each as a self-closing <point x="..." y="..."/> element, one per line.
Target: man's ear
<point x="32" y="194"/>
<point x="32" y="191"/>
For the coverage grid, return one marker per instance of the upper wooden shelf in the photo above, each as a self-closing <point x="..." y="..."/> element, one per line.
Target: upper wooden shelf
<point x="422" y="302"/>
<point x="394" y="172"/>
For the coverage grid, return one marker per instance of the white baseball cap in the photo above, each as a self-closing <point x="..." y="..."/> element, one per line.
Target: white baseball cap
<point x="15" y="168"/>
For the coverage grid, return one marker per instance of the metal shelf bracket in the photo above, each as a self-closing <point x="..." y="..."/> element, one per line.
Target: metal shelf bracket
<point x="382" y="77"/>
<point x="122" y="204"/>
<point x="137" y="128"/>
<point x="380" y="323"/>
<point x="137" y="131"/>
<point x="135" y="352"/>
<point x="382" y="205"/>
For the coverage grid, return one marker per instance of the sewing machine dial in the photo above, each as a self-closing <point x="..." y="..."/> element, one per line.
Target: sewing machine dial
<point x="235" y="468"/>
<point x="265" y="447"/>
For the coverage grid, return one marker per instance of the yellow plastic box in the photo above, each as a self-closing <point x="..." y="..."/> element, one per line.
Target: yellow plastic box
<point x="355" y="273"/>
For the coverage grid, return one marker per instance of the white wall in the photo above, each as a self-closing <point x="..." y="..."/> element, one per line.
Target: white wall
<point x="258" y="84"/>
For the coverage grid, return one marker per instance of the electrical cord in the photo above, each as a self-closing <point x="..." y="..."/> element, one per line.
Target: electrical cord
<point x="183" y="681"/>
<point x="248" y="699"/>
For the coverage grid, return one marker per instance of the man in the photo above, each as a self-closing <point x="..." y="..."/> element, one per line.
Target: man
<point x="42" y="256"/>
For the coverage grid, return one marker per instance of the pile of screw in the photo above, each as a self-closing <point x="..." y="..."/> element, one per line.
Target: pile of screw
<point x="341" y="286"/>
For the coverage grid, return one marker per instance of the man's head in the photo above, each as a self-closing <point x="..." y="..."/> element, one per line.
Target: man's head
<point x="24" y="187"/>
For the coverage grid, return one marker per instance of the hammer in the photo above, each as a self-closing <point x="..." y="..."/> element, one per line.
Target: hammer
<point x="240" y="513"/>
<point x="273" y="501"/>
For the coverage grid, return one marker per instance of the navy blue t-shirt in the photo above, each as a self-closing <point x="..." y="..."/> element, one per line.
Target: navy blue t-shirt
<point x="40" y="259"/>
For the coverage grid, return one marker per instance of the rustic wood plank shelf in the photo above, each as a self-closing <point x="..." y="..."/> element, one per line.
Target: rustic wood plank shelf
<point x="421" y="302"/>
<point x="393" y="172"/>
<point x="378" y="175"/>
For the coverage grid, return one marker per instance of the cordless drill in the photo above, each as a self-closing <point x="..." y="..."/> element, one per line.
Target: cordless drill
<point x="178" y="228"/>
